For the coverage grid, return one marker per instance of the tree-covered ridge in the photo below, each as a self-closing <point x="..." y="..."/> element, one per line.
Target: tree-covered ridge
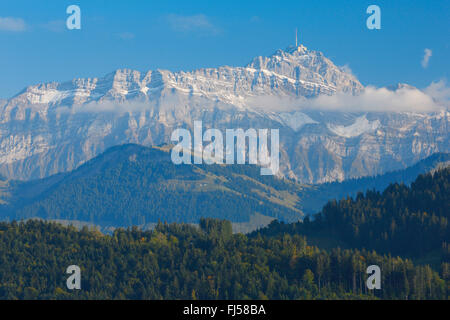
<point x="185" y="262"/>
<point x="402" y="220"/>
<point x="315" y="198"/>
<point x="134" y="185"/>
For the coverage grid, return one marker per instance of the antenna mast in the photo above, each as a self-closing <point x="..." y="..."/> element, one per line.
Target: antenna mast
<point x="296" y="40"/>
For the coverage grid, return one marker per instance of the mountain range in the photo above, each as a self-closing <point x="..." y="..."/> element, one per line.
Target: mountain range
<point x="56" y="127"/>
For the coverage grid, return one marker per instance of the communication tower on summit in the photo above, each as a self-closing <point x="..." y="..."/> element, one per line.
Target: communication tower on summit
<point x="298" y="46"/>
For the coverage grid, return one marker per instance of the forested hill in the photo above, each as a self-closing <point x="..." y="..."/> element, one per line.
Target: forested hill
<point x="401" y="220"/>
<point x="315" y="198"/>
<point x="135" y="185"/>
<point x="184" y="262"/>
<point x="180" y="261"/>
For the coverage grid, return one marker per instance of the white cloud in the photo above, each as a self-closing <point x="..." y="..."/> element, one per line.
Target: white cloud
<point x="171" y="102"/>
<point x="12" y="24"/>
<point x="440" y="92"/>
<point x="379" y="99"/>
<point x="106" y="106"/>
<point x="404" y="99"/>
<point x="426" y="58"/>
<point x="198" y="22"/>
<point x="434" y="98"/>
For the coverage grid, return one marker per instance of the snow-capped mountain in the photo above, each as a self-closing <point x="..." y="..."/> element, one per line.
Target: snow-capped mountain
<point x="54" y="127"/>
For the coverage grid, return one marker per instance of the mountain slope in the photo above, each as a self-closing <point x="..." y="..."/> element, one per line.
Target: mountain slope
<point x="56" y="127"/>
<point x="314" y="198"/>
<point x="299" y="72"/>
<point x="411" y="221"/>
<point x="134" y="185"/>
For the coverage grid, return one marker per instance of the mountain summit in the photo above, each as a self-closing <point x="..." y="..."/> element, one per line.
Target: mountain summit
<point x="295" y="72"/>
<point x="311" y="71"/>
<point x="55" y="127"/>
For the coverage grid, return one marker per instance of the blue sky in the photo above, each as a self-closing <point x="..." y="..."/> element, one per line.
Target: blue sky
<point x="184" y="35"/>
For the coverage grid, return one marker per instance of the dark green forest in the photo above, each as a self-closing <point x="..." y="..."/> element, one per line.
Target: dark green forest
<point x="132" y="185"/>
<point x="180" y="261"/>
<point x="402" y="220"/>
<point x="314" y="199"/>
<point x="185" y="262"/>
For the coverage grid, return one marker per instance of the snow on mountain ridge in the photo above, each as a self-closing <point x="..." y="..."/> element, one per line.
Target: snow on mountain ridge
<point x="360" y="126"/>
<point x="299" y="63"/>
<point x="286" y="72"/>
<point x="54" y="127"/>
<point x="296" y="120"/>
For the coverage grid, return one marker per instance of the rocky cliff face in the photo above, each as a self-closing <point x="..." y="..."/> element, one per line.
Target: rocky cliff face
<point x="54" y="127"/>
